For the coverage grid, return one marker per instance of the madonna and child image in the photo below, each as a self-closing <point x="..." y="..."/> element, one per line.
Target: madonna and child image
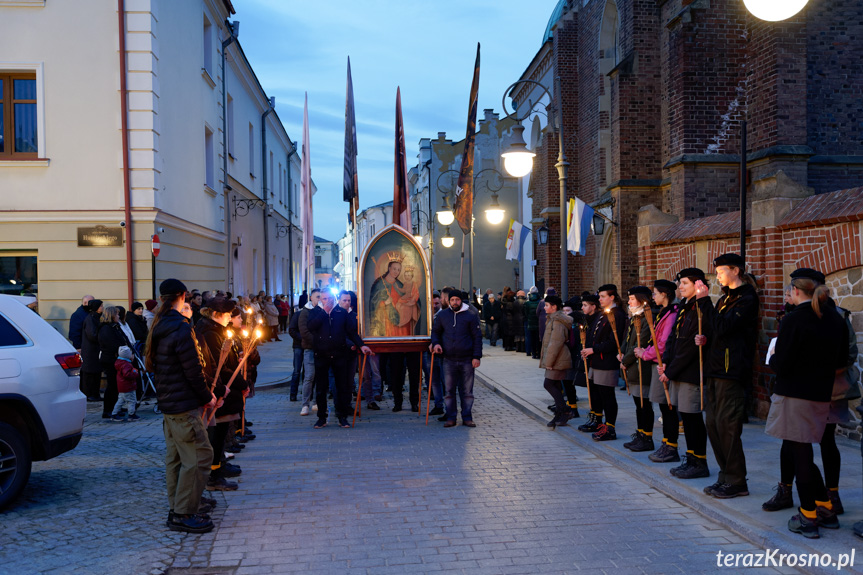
<point x="395" y="285"/>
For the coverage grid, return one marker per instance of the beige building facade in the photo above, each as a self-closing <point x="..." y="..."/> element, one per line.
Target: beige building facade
<point x="177" y="138"/>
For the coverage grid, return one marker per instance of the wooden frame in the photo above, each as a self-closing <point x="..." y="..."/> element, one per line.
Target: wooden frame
<point x="8" y="100"/>
<point x="385" y="324"/>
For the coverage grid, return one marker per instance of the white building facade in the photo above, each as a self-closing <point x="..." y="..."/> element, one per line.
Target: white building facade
<point x="369" y="222"/>
<point x="175" y="138"/>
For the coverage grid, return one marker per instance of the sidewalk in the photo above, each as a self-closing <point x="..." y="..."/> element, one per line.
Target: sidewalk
<point x="517" y="378"/>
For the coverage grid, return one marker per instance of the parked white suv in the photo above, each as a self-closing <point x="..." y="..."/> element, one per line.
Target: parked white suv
<point x="41" y="407"/>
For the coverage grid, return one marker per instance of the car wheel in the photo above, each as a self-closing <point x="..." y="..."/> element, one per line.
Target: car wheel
<point x="15" y="464"/>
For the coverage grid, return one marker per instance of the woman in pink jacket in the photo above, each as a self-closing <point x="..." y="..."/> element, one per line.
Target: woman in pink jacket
<point x="663" y="296"/>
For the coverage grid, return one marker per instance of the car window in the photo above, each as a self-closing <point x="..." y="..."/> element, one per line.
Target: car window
<point x="9" y="336"/>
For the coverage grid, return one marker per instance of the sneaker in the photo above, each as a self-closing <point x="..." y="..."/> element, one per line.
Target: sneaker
<point x="604" y="433"/>
<point x="827" y="518"/>
<point x="665" y="454"/>
<point x="321" y="422"/>
<point x="728" y="491"/>
<point x="191" y="523"/>
<point x="134" y="417"/>
<point x="806" y="527"/>
<point x="304" y="410"/>
<point x="837" y="503"/>
<point x="436" y="411"/>
<point x="117" y="417"/>
<point x="643" y="443"/>
<point x="373" y="406"/>
<point x="711" y="488"/>
<point x="635" y="437"/>
<point x="217" y="483"/>
<point x="698" y="468"/>
<point x="783" y="499"/>
<point x="229" y="470"/>
<point x="343" y="423"/>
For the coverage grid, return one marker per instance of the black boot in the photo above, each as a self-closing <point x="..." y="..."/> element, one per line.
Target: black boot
<point x="783" y="499"/>
<point x="592" y="424"/>
<point x="697" y="468"/>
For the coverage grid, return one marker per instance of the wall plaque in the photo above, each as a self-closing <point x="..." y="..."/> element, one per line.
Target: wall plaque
<point x="100" y="237"/>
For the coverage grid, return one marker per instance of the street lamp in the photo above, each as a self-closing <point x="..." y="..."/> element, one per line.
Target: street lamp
<point x="445" y="215"/>
<point x="542" y="235"/>
<point x="447" y="240"/>
<point x="517" y="159"/>
<point x="495" y="213"/>
<point x="774" y="10"/>
<point x="554" y="113"/>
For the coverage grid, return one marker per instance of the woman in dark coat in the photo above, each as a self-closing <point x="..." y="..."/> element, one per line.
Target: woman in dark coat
<point x="518" y="320"/>
<point x="810" y="348"/>
<point x="491" y="314"/>
<point x="111" y="339"/>
<point x="507" y="326"/>
<point x="91" y="369"/>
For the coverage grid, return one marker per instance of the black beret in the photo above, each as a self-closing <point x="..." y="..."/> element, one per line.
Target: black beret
<point x="94" y="304"/>
<point x="172" y="287"/>
<point x="235" y="312"/>
<point x="590" y="298"/>
<point x="809" y="273"/>
<point x="735" y="260"/>
<point x="554" y="300"/>
<point x="221" y="305"/>
<point x="665" y="285"/>
<point x="690" y="273"/>
<point x="136" y="305"/>
<point x="607" y="288"/>
<point x="643" y="290"/>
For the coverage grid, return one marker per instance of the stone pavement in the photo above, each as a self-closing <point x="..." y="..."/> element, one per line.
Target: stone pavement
<point x="389" y="496"/>
<point x="518" y="378"/>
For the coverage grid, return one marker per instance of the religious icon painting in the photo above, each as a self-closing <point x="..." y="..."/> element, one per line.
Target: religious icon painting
<point x="395" y="288"/>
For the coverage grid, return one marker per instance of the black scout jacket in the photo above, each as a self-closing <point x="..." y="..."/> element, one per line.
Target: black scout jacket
<point x="735" y="330"/>
<point x="681" y="353"/>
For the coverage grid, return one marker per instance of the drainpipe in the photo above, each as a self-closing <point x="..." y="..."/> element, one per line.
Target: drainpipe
<point x="291" y="228"/>
<point x="264" y="192"/>
<point x="124" y="129"/>
<point x="226" y="188"/>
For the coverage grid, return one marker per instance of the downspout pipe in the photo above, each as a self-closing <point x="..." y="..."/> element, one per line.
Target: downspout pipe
<point x="124" y="129"/>
<point x="265" y="193"/>
<point x="226" y="188"/>
<point x="291" y="226"/>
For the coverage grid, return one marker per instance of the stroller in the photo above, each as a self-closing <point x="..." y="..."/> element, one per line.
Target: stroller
<point x="148" y="388"/>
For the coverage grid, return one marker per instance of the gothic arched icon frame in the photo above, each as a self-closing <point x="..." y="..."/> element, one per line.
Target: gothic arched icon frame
<point x="395" y="287"/>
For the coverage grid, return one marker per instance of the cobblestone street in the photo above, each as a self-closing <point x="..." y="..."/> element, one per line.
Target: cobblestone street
<point x="390" y="496"/>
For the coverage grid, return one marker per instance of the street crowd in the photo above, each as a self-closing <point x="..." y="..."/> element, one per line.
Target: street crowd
<point x="670" y="346"/>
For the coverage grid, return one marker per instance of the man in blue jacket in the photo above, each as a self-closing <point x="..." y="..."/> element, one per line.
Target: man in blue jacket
<point x="456" y="334"/>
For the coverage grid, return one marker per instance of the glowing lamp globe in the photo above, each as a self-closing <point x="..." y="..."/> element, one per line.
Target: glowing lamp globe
<point x="447" y="240"/>
<point x="517" y="159"/>
<point x="445" y="217"/>
<point x="494" y="216"/>
<point x="774" y="10"/>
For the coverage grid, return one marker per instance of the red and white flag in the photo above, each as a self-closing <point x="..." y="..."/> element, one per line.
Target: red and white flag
<point x="306" y="220"/>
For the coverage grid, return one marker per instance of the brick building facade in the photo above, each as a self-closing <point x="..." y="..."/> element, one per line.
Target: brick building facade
<point x="653" y="99"/>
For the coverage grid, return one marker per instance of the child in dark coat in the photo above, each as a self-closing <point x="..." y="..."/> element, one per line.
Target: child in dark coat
<point x="127" y="383"/>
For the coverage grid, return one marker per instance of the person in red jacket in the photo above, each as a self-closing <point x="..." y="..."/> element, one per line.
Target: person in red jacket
<point x="127" y="383"/>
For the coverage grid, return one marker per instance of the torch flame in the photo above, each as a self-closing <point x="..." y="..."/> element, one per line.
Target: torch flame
<point x="245" y="333"/>
<point x="608" y="310"/>
<point x="248" y="310"/>
<point x="257" y="334"/>
<point x="260" y="320"/>
<point x="230" y="334"/>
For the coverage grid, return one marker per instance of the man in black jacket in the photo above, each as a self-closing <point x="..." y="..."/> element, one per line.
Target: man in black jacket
<point x="76" y="322"/>
<point x="682" y="368"/>
<point x="331" y="327"/>
<point x="174" y="358"/>
<point x="457" y="335"/>
<point x="294" y="332"/>
<point x="728" y="367"/>
<point x="91" y="369"/>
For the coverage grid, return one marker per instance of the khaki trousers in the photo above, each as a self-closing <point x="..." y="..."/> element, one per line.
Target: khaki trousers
<point x="188" y="456"/>
<point x="725" y="407"/>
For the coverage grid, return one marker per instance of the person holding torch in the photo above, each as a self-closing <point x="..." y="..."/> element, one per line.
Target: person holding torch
<point x="602" y="351"/>
<point x="638" y="371"/>
<point x="683" y="370"/>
